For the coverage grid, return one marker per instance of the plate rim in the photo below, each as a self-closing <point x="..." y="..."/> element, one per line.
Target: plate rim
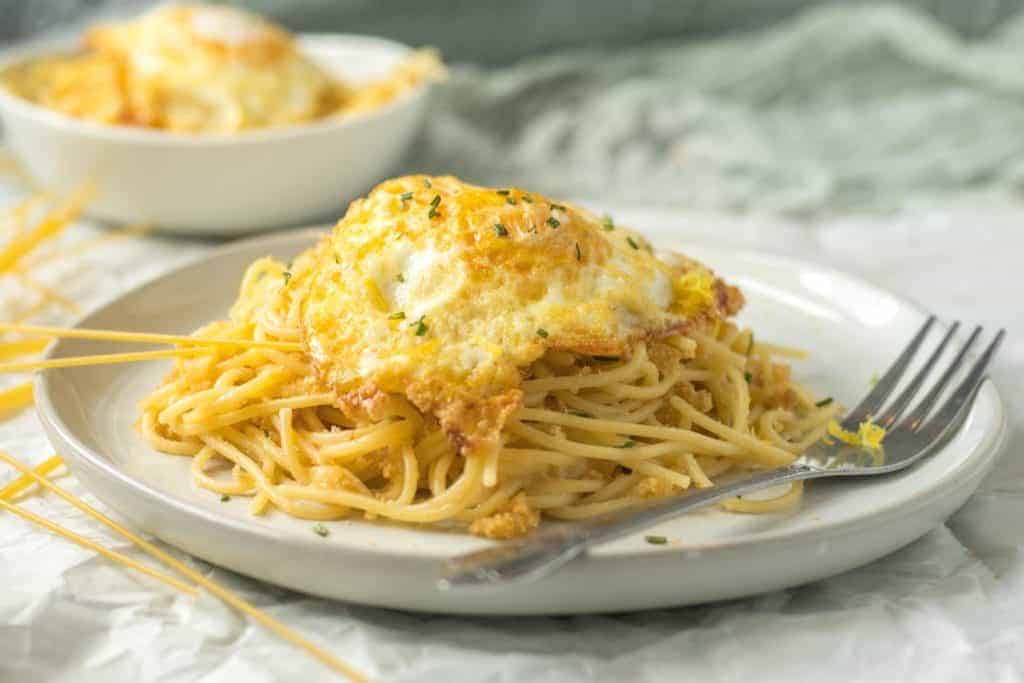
<point x="981" y="456"/>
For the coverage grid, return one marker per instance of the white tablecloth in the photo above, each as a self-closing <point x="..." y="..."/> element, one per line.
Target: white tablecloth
<point x="946" y="608"/>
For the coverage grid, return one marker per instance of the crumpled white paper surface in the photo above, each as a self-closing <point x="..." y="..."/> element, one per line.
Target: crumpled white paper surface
<point x="949" y="607"/>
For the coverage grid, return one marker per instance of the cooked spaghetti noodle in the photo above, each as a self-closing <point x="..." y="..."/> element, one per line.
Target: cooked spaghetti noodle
<point x="591" y="433"/>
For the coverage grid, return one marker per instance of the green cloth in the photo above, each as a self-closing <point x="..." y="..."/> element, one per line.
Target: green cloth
<point x="840" y="108"/>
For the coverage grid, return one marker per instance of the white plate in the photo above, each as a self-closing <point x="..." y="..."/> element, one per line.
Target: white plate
<point x="853" y="328"/>
<point x="222" y="184"/>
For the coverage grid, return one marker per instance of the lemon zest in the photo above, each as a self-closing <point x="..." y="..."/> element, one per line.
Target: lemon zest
<point x="868" y="435"/>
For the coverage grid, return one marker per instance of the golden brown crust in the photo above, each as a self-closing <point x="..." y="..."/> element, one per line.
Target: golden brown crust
<point x="473" y="426"/>
<point x="515" y="519"/>
<point x="730" y="299"/>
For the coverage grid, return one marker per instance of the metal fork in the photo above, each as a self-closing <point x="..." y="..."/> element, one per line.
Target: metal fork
<point x="926" y="428"/>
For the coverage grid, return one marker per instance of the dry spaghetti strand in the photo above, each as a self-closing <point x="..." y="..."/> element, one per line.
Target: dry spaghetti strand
<point x="147" y="338"/>
<point x="224" y="594"/>
<point x="99" y="359"/>
<point x="16" y="397"/>
<point x="25" y="481"/>
<point x="49" y="227"/>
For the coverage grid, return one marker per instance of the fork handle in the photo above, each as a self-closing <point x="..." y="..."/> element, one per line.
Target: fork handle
<point x="548" y="549"/>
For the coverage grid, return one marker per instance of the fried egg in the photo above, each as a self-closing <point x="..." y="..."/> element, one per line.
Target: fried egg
<point x="444" y="293"/>
<point x="205" y="68"/>
<point x="189" y="68"/>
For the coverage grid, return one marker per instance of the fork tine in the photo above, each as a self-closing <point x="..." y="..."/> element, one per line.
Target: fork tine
<point x="871" y="403"/>
<point x="907" y="395"/>
<point x="947" y="419"/>
<point x="921" y="411"/>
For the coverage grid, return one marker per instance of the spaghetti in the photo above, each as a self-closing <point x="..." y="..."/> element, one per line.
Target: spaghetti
<point x="592" y="434"/>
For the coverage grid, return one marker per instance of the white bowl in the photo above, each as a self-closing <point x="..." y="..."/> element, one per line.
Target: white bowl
<point x="223" y="183"/>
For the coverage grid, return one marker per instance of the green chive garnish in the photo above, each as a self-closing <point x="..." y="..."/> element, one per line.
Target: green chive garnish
<point x="287" y="276"/>
<point x="632" y="243"/>
<point x="558" y="206"/>
<point x="400" y="277"/>
<point x="426" y="181"/>
<point x="579" y="254"/>
<point x="824" y="402"/>
<point x="750" y="346"/>
<point x="399" y="315"/>
<point x="421" y="327"/>
<point x="553" y="222"/>
<point x="629" y="443"/>
<point x="510" y="200"/>
<point x="225" y="498"/>
<point x="502" y="192"/>
<point x="579" y="413"/>
<point x="405" y="196"/>
<point x="433" y="213"/>
<point x="606" y="359"/>
<point x="500" y="230"/>
<point x="608" y="224"/>
<point x="656" y="540"/>
<point x="528" y="199"/>
<point x="320" y="530"/>
<point x="747" y="376"/>
<point x="542" y="333"/>
<point x="436" y="200"/>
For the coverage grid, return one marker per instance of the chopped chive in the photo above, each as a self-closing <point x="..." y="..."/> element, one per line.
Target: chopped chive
<point x="503" y="192"/>
<point x="747" y="376"/>
<point x="542" y="333"/>
<point x="287" y="276"/>
<point x="606" y="359"/>
<point x="579" y="413"/>
<point x="433" y="213"/>
<point x="527" y="198"/>
<point x="632" y="242"/>
<point x="320" y="530"/>
<point x="750" y="346"/>
<point x="426" y="181"/>
<point x="824" y="402"/>
<point x="500" y="230"/>
<point x="337" y="259"/>
<point x="558" y="206"/>
<point x="400" y="277"/>
<point x="629" y="443"/>
<point x="398" y="315"/>
<point x="656" y="540"/>
<point x="607" y="223"/>
<point x="436" y="200"/>
<point x="421" y="327"/>
<point x="579" y="254"/>
<point x="553" y="222"/>
<point x="510" y="200"/>
<point x="225" y="498"/>
<point x="405" y="196"/>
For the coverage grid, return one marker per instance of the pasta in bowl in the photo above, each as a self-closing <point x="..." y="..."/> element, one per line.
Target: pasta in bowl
<point x="202" y="69"/>
<point x="210" y="120"/>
